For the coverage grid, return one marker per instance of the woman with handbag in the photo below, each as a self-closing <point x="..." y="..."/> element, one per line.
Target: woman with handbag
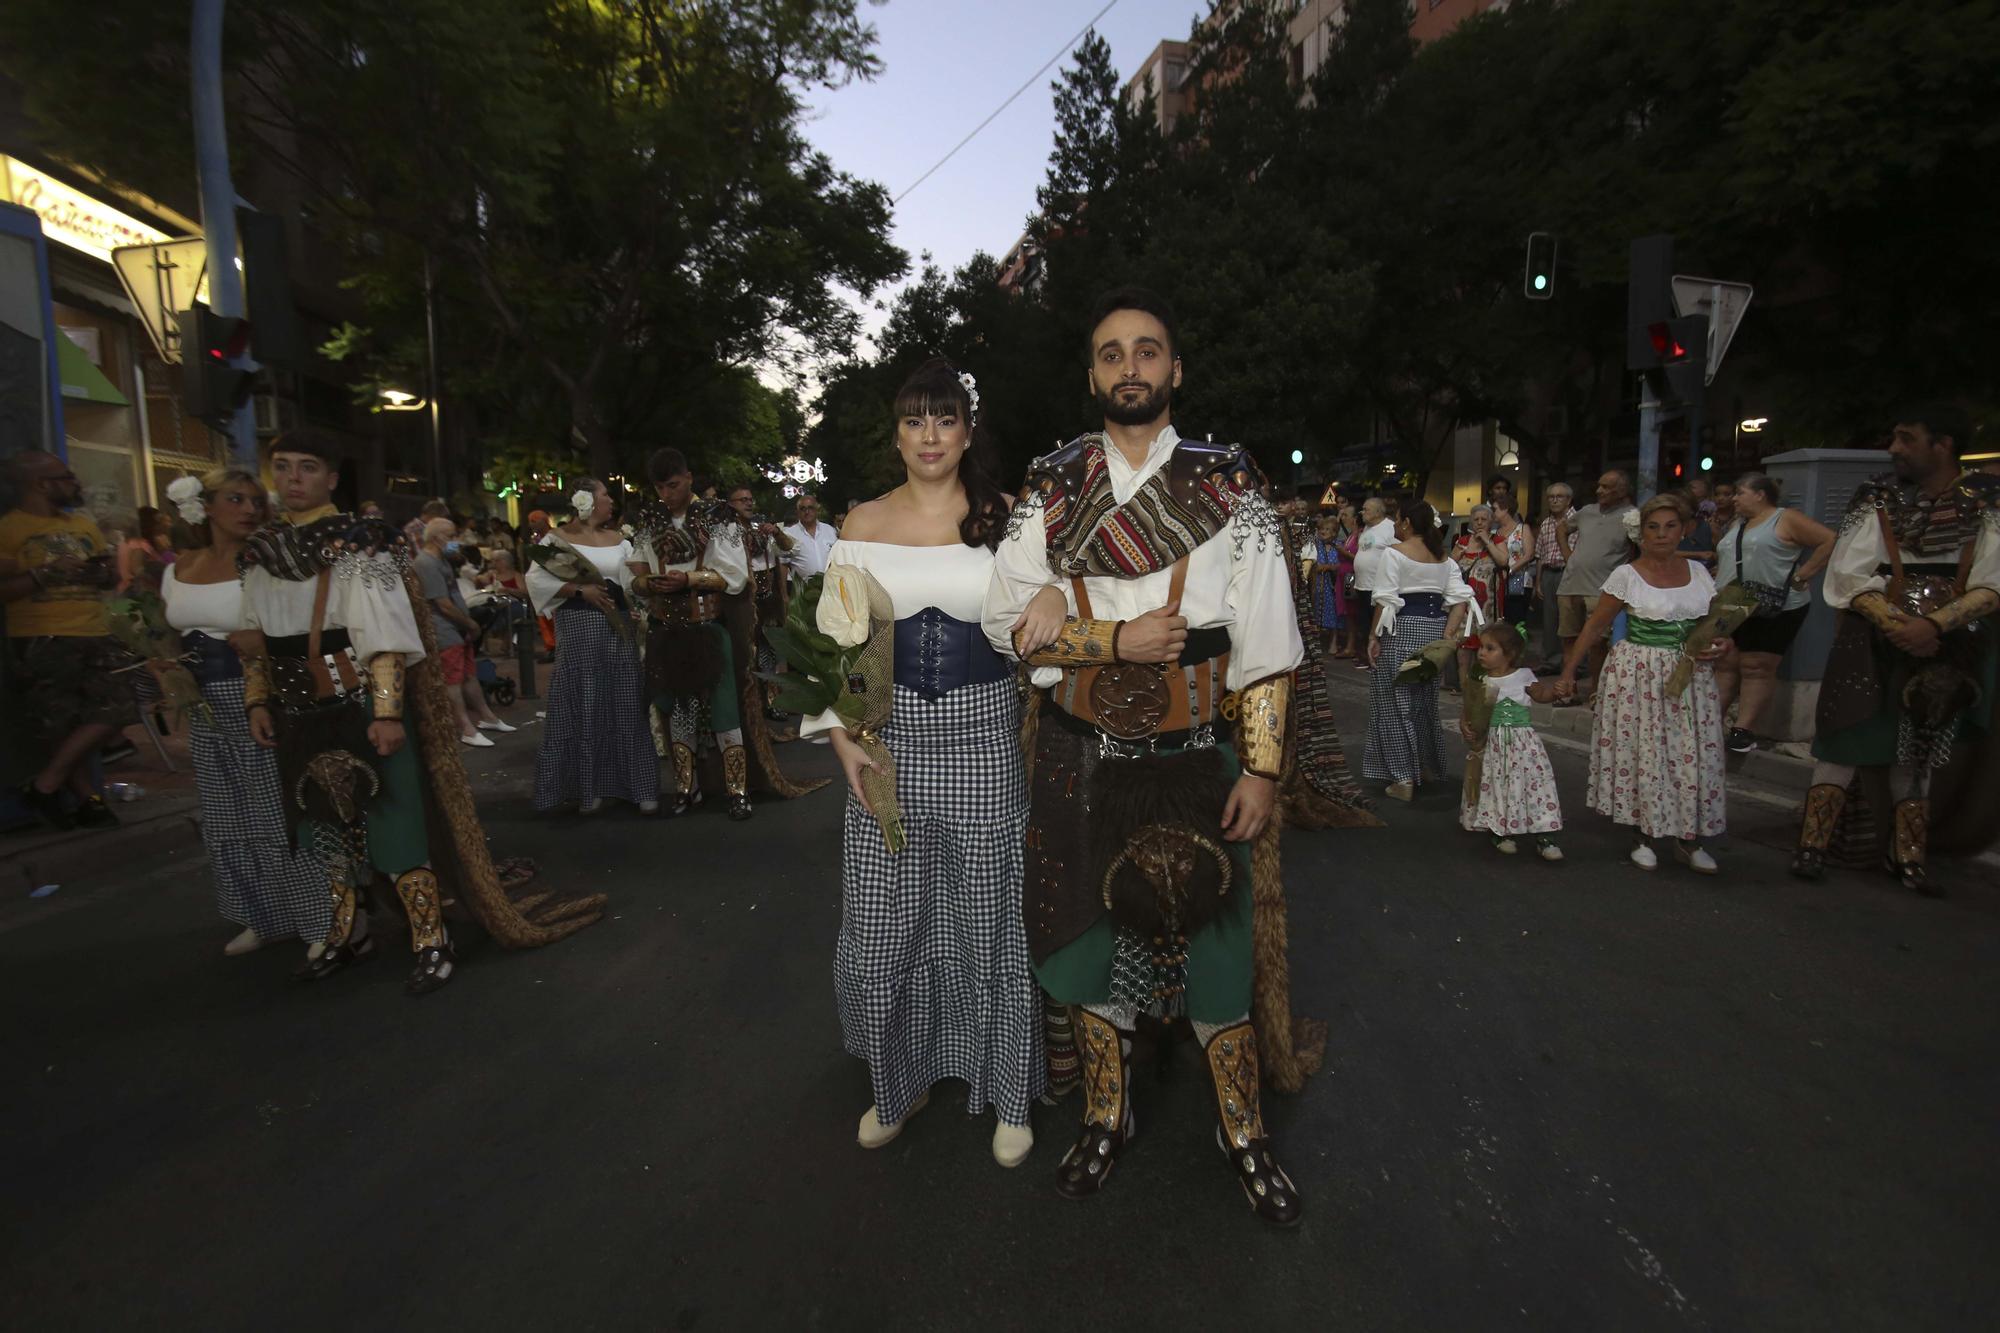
<point x="1773" y="552"/>
<point x="931" y="971"/>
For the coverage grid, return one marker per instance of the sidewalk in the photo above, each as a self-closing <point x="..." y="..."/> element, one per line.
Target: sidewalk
<point x="158" y="825"/>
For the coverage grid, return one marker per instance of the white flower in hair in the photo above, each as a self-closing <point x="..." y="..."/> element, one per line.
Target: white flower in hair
<point x="1632" y="526"/>
<point x="971" y="387"/>
<point x="583" y="502"/>
<point x="185" y="492"/>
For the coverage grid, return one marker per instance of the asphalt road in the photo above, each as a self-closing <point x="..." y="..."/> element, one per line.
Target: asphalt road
<point x="1577" y="1096"/>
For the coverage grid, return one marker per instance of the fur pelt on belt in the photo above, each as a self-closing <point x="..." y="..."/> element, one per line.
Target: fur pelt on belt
<point x="1155" y="840"/>
<point x="681" y="660"/>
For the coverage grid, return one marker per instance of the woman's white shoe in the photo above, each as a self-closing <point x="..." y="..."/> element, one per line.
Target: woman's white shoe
<point x="248" y="942"/>
<point x="1697" y="860"/>
<point x="496" y="725"/>
<point x="874" y="1134"/>
<point x="1644" y="857"/>
<point x="477" y="740"/>
<point x="1012" y="1143"/>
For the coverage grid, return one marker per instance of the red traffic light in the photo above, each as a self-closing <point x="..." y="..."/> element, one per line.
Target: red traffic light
<point x="1666" y="347"/>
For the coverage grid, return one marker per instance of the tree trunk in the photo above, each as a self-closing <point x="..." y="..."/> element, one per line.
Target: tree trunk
<point x="587" y="432"/>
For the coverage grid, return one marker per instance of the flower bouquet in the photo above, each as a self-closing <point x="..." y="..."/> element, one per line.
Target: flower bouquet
<point x="565" y="563"/>
<point x="1732" y="606"/>
<point x="1424" y="664"/>
<point x="839" y="641"/>
<point x="139" y="624"/>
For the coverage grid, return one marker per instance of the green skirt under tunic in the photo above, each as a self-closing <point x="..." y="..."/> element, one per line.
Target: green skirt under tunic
<point x="1110" y="964"/>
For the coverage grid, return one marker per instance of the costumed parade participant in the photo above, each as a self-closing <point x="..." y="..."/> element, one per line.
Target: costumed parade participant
<point x="1510" y="786"/>
<point x="770" y="559"/>
<point x="931" y="969"/>
<point x="1146" y="580"/>
<point x="1319" y="791"/>
<point x="690" y="552"/>
<point x="1906" y="703"/>
<point x="1656" y="763"/>
<point x="262" y="883"/>
<point x="369" y="783"/>
<point x="597" y="743"/>
<point x="1420" y="599"/>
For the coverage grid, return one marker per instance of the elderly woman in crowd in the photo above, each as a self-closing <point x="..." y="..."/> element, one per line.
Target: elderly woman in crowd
<point x="1656" y="762"/>
<point x="1552" y="542"/>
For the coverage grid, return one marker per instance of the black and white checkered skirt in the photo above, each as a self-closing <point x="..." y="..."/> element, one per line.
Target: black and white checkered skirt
<point x="259" y="881"/>
<point x="598" y="742"/>
<point x="1403" y="719"/>
<point x="931" y="968"/>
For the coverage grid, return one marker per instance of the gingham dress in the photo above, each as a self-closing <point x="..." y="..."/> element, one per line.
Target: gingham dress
<point x="931" y="968"/>
<point x="259" y="881"/>
<point x="1403" y="719"/>
<point x="598" y="740"/>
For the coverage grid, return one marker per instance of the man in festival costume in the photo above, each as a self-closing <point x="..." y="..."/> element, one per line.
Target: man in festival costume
<point x="1144" y="579"/>
<point x="1906" y="701"/>
<point x="339" y="675"/>
<point x="689" y="553"/>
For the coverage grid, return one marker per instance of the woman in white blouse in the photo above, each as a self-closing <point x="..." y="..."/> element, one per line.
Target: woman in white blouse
<point x="931" y="968"/>
<point x="598" y="741"/>
<point x="1420" y="597"/>
<point x="261" y="884"/>
<point x="1656" y="762"/>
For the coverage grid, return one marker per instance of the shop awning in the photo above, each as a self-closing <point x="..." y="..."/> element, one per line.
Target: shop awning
<point x="81" y="381"/>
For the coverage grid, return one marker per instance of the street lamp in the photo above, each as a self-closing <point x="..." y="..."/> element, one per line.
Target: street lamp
<point x="1298" y="457"/>
<point x="398" y="400"/>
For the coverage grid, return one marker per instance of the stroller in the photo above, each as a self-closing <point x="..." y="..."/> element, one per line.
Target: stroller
<point x="498" y="689"/>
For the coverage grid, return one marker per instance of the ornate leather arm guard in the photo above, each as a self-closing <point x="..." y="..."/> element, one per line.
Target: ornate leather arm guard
<point x="1876" y="609"/>
<point x="1964" y="610"/>
<point x="385" y="687"/>
<point x="256" y="683"/>
<point x="1080" y="643"/>
<point x="706" y="580"/>
<point x="1261" y="711"/>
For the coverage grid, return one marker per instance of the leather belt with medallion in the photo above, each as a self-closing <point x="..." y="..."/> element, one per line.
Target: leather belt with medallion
<point x="1133" y="701"/>
<point x="687" y="608"/>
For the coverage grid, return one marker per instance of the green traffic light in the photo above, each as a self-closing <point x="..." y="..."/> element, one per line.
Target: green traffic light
<point x="1541" y="282"/>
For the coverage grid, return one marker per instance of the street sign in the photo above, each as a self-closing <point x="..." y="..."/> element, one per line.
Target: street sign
<point x="163" y="279"/>
<point x="1723" y="303"/>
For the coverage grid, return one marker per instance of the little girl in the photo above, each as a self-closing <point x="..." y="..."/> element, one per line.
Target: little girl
<point x="1517" y="788"/>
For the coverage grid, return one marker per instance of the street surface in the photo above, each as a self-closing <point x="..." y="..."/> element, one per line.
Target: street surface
<point x="1574" y="1097"/>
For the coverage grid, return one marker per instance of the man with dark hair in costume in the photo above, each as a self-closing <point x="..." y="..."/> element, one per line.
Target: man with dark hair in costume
<point x="1144" y="578"/>
<point x="1906" y="701"/>
<point x="335" y="651"/>
<point x="691" y="551"/>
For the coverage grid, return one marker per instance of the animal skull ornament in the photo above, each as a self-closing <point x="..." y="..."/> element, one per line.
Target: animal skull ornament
<point x="337" y="774"/>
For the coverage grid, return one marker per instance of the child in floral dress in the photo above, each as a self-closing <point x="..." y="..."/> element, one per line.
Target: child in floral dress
<point x="1516" y="793"/>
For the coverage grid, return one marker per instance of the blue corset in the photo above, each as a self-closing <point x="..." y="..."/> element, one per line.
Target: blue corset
<point x="210" y="659"/>
<point x="936" y="654"/>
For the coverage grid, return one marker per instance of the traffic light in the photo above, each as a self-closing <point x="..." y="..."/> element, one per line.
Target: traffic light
<point x="1538" y="282"/>
<point x="215" y="381"/>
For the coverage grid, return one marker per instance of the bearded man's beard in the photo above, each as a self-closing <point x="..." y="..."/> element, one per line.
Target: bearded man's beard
<point x="1134" y="409"/>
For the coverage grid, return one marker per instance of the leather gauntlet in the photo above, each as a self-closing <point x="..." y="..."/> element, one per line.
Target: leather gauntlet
<point x="1876" y="609"/>
<point x="1261" y="710"/>
<point x="385" y="687"/>
<point x="1080" y="642"/>
<point x="256" y="682"/>
<point x="1962" y="611"/>
<point x="706" y="580"/>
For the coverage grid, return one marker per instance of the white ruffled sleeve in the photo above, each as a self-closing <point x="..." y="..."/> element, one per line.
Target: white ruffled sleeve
<point x="1264" y="625"/>
<point x="1020" y="570"/>
<point x="369" y="598"/>
<point x="1985" y="571"/>
<point x="1388" y="592"/>
<point x="622" y="575"/>
<point x="1457" y="592"/>
<point x="1857" y="552"/>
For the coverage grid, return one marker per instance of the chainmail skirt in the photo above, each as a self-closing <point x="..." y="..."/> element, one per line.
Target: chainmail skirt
<point x="598" y="741"/>
<point x="931" y="969"/>
<point x="259" y="881"/>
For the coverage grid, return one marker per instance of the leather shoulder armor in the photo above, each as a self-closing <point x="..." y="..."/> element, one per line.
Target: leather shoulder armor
<point x="1227" y="467"/>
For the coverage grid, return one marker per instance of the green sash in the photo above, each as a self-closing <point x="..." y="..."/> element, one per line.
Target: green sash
<point x="1658" y="633"/>
<point x="1510" y="713"/>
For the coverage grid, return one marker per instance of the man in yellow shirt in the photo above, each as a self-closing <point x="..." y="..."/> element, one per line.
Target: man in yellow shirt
<point x="54" y="569"/>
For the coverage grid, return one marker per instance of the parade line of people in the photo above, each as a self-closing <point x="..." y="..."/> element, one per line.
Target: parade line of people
<point x="1071" y="721"/>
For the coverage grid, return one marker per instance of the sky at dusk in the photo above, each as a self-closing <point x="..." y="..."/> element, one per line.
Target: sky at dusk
<point x="947" y="64"/>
